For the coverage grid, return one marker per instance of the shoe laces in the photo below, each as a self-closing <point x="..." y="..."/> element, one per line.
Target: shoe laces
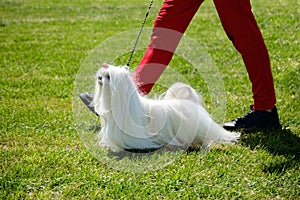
<point x="246" y="116"/>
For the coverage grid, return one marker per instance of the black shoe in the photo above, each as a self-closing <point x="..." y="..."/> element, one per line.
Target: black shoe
<point x="87" y="99"/>
<point x="255" y="119"/>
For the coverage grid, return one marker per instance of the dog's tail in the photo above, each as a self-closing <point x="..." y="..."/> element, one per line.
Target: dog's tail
<point x="217" y="134"/>
<point x="228" y="137"/>
<point x="183" y="91"/>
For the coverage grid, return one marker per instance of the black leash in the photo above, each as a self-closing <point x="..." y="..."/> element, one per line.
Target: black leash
<point x="139" y="34"/>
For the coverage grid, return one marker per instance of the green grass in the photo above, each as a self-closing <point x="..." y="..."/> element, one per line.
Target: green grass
<point x="42" y="48"/>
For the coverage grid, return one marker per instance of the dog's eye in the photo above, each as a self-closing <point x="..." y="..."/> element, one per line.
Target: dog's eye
<point x="107" y="77"/>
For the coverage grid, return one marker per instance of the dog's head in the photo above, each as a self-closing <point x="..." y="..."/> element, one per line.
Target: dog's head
<point x="110" y="81"/>
<point x="103" y="75"/>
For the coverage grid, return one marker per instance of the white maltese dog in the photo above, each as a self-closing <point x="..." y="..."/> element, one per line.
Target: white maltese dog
<point x="132" y="121"/>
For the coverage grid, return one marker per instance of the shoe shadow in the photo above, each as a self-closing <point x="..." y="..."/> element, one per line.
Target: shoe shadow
<point x="279" y="143"/>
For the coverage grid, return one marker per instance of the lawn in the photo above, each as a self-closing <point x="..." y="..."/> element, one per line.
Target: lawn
<point x="49" y="51"/>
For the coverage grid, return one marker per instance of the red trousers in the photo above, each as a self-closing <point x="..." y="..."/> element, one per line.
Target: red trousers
<point x="241" y="28"/>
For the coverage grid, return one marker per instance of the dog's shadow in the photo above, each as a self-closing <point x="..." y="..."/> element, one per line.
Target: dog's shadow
<point x="278" y="143"/>
<point x="142" y="153"/>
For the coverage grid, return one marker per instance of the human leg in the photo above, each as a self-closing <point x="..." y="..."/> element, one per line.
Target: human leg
<point x="169" y="26"/>
<point x="241" y="28"/>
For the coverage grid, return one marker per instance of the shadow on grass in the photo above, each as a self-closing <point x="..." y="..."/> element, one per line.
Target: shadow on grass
<point x="279" y="143"/>
<point x="140" y="153"/>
